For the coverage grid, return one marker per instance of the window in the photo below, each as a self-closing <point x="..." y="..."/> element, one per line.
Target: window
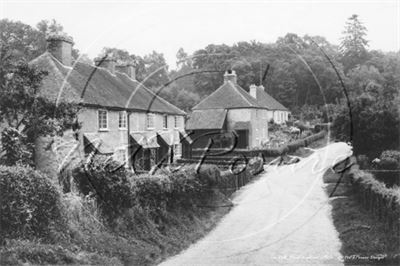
<point x="122" y="120"/>
<point x="102" y="119"/>
<point x="177" y="124"/>
<point x="165" y="121"/>
<point x="150" y="121"/>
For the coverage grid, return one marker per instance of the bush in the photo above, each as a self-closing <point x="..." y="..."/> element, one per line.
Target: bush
<point x="107" y="182"/>
<point x="363" y="161"/>
<point x="390" y="160"/>
<point x="29" y="203"/>
<point x="293" y="146"/>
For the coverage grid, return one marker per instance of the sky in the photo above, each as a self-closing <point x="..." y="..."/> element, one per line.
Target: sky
<point x="165" y="26"/>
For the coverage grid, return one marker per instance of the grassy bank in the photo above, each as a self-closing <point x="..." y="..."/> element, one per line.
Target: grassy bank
<point x="117" y="218"/>
<point x="365" y="238"/>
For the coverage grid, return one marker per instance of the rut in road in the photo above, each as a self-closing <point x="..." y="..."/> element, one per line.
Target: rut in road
<point x="282" y="218"/>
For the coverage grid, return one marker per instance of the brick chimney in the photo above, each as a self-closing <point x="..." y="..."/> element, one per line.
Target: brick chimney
<point x="108" y="62"/>
<point x="230" y="75"/>
<point x="60" y="46"/>
<point x="253" y="91"/>
<point x="128" y="69"/>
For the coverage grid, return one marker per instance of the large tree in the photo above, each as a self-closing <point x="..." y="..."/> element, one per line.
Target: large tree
<point x="24" y="115"/>
<point x="353" y="46"/>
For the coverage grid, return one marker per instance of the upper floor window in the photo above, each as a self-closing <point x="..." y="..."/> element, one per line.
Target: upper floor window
<point x="165" y="121"/>
<point x="150" y="120"/>
<point x="177" y="124"/>
<point x="122" y="120"/>
<point x="103" y="119"/>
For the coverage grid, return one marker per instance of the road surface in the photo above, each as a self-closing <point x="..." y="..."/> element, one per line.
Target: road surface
<point x="282" y="218"/>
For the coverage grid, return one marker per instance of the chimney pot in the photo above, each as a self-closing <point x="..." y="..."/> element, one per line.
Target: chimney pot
<point x="108" y="62"/>
<point x="60" y="46"/>
<point x="128" y="69"/>
<point x="253" y="91"/>
<point x="230" y="75"/>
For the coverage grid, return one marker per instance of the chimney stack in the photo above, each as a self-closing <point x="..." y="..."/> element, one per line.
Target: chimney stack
<point x="253" y="91"/>
<point x="60" y="46"/>
<point x="108" y="62"/>
<point x="230" y="75"/>
<point x="128" y="69"/>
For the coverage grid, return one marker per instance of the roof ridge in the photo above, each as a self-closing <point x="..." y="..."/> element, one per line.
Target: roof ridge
<point x="162" y="99"/>
<point x="276" y="105"/>
<point x="208" y="97"/>
<point x="237" y="89"/>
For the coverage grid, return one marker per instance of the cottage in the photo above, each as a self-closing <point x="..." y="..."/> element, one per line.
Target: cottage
<point x="229" y="116"/>
<point x="276" y="111"/>
<point x="120" y="117"/>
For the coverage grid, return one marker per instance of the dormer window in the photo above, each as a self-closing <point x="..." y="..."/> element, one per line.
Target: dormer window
<point x="102" y="120"/>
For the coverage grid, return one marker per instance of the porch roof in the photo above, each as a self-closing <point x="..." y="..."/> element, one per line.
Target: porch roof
<point x="146" y="139"/>
<point x="101" y="146"/>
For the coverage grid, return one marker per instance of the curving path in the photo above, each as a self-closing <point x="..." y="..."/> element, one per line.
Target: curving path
<point x="282" y="218"/>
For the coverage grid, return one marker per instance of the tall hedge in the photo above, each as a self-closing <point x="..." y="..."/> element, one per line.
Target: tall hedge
<point x="29" y="203"/>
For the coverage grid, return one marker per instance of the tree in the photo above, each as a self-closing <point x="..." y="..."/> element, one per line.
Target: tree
<point x="156" y="70"/>
<point x="376" y="124"/>
<point x="353" y="44"/>
<point x="24" y="115"/>
<point x="20" y="41"/>
<point x="47" y="27"/>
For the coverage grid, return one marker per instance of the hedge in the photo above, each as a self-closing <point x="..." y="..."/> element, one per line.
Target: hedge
<point x="29" y="203"/>
<point x="381" y="201"/>
<point x="290" y="147"/>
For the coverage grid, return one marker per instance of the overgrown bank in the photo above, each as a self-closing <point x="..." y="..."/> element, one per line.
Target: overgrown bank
<point x="366" y="215"/>
<point x="119" y="218"/>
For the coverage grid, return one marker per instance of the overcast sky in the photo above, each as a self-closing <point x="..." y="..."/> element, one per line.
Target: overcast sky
<point x="143" y="26"/>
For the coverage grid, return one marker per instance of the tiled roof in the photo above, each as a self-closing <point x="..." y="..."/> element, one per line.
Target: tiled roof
<point x="229" y="95"/>
<point x="102" y="88"/>
<point x="206" y="119"/>
<point x="267" y="101"/>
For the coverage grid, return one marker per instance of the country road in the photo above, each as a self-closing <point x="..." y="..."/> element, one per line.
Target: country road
<point x="281" y="218"/>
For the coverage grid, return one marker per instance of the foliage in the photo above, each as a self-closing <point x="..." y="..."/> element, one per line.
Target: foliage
<point x="106" y="181"/>
<point x="353" y="45"/>
<point x="30" y="203"/>
<point x="390" y="160"/>
<point x="376" y="124"/>
<point x="24" y="115"/>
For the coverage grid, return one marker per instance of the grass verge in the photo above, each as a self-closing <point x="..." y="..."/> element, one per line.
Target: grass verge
<point x="364" y="238"/>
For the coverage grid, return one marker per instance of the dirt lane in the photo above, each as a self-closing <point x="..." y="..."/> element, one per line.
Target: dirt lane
<point x="282" y="218"/>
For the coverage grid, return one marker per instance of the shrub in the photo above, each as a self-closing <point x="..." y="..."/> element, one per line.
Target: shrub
<point x="256" y="165"/>
<point x="363" y="161"/>
<point x="390" y="160"/>
<point x="29" y="203"/>
<point x="106" y="181"/>
<point x="209" y="174"/>
<point x="293" y="146"/>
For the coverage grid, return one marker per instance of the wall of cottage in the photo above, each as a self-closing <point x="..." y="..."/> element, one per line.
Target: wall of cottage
<point x="259" y="124"/>
<point x="279" y="117"/>
<point x="113" y="137"/>
<point x="258" y="118"/>
<point x="55" y="153"/>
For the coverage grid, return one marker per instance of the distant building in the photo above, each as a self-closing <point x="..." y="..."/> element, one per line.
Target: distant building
<point x="229" y="116"/>
<point x="276" y="111"/>
<point x="120" y="117"/>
